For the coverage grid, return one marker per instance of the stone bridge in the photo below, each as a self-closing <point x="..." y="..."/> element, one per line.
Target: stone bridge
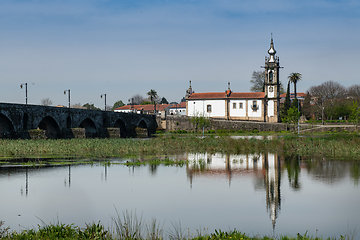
<point x="34" y="121"/>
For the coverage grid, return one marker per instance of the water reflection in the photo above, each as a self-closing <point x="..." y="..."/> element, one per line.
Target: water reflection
<point x="238" y="189"/>
<point x="266" y="168"/>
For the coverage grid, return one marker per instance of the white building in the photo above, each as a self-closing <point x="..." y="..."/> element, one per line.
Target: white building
<point x="178" y="109"/>
<point x="252" y="106"/>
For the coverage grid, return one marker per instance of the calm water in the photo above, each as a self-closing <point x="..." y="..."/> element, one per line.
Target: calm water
<point x="256" y="194"/>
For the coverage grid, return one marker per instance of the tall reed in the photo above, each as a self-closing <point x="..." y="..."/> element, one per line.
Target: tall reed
<point x="331" y="147"/>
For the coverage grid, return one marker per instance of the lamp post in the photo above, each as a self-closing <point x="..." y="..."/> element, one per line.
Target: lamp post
<point x="105" y="99"/>
<point x="26" y="97"/>
<point x="69" y="95"/>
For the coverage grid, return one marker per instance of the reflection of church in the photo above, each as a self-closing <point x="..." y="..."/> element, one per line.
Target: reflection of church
<point x="264" y="166"/>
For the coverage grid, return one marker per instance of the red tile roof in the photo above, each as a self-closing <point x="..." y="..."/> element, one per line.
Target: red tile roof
<point x="232" y="95"/>
<point x="150" y="107"/>
<point x="299" y="94"/>
<point x="180" y="105"/>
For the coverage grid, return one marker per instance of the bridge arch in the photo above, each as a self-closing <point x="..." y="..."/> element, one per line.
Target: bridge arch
<point x="50" y="126"/>
<point x="142" y="129"/>
<point x="25" y="121"/>
<point x="68" y="122"/>
<point x="6" y="127"/>
<point x="90" y="128"/>
<point x="121" y="125"/>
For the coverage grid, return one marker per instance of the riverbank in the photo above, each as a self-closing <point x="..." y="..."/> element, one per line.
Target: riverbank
<point x="134" y="230"/>
<point x="330" y="146"/>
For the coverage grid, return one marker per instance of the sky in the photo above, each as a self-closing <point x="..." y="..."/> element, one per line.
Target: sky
<point x="122" y="48"/>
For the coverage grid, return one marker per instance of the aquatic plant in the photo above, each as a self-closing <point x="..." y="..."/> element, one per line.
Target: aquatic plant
<point x="329" y="146"/>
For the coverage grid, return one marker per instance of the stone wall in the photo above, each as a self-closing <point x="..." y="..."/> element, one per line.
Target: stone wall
<point x="174" y="123"/>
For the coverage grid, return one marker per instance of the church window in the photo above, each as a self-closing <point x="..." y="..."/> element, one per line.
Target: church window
<point x="254" y="106"/>
<point x="234" y="105"/>
<point x="208" y="108"/>
<point x="240" y="105"/>
<point x="271" y="76"/>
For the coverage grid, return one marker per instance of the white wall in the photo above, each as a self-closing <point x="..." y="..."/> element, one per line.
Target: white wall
<point x="237" y="112"/>
<point x="178" y="111"/>
<point x="256" y="113"/>
<point x="271" y="94"/>
<point x="271" y="107"/>
<point x="199" y="107"/>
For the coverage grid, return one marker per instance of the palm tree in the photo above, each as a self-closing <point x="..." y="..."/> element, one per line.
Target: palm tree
<point x="294" y="78"/>
<point x="152" y="94"/>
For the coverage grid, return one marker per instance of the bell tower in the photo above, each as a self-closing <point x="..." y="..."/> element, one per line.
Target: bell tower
<point x="272" y="85"/>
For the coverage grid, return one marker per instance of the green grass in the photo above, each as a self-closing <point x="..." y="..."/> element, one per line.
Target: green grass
<point x="346" y="146"/>
<point x="130" y="227"/>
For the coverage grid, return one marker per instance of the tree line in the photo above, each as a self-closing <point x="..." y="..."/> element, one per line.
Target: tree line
<point x="327" y="101"/>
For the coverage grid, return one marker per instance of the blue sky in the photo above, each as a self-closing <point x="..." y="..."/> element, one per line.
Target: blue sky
<point x="123" y="48"/>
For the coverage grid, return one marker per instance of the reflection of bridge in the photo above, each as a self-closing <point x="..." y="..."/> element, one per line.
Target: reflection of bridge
<point x="29" y="121"/>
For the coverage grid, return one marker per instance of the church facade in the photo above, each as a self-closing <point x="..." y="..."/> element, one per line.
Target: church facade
<point x="248" y="106"/>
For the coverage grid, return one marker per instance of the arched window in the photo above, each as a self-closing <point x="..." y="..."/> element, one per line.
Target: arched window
<point x="271" y="73"/>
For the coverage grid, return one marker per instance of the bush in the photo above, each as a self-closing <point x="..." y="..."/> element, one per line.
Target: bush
<point x="222" y="131"/>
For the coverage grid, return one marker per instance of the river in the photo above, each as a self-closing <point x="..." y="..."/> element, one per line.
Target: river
<point x="257" y="194"/>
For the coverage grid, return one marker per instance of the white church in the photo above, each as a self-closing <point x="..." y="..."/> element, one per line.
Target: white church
<point x="249" y="106"/>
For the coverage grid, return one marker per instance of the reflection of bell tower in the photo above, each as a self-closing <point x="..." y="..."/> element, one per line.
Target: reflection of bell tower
<point x="272" y="182"/>
<point x="272" y="85"/>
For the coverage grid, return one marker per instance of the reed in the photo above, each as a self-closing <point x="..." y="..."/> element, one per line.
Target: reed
<point x="329" y="146"/>
<point x="154" y="232"/>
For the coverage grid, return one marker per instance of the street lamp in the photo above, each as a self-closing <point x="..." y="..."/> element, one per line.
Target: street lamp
<point x="69" y="95"/>
<point x="21" y="86"/>
<point x="26" y="95"/>
<point x="105" y="99"/>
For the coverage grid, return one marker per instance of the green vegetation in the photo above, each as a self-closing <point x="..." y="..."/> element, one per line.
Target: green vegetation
<point x="130" y="227"/>
<point x="166" y="162"/>
<point x="200" y="122"/>
<point x="338" y="146"/>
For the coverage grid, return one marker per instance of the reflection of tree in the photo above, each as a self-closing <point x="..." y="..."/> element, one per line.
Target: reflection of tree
<point x="153" y="168"/>
<point x="328" y="171"/>
<point x="355" y="172"/>
<point x="292" y="164"/>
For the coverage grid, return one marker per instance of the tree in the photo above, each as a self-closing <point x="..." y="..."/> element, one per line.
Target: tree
<point x="90" y="106"/>
<point x="145" y="103"/>
<point x="292" y="117"/>
<point x="286" y="105"/>
<point x="46" y="102"/>
<point x="137" y="99"/>
<point x="117" y="104"/>
<point x="355" y="113"/>
<point x="153" y="95"/>
<point x="307" y="106"/>
<point x="200" y="121"/>
<point x="294" y="78"/>
<point x="164" y="100"/>
<point x="354" y="92"/>
<point x="258" y="81"/>
<point x="326" y="95"/>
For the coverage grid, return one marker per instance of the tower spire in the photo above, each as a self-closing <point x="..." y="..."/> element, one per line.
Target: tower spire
<point x="272" y="50"/>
